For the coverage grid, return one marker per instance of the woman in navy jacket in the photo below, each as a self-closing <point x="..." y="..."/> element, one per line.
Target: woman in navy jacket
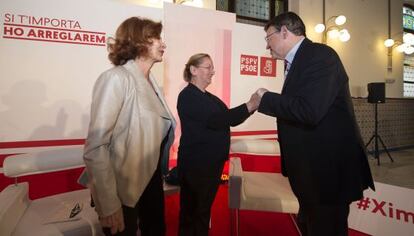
<point x="204" y="144"/>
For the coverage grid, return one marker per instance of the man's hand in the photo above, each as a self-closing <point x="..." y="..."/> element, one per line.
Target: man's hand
<point x="253" y="103"/>
<point x="114" y="221"/>
<point x="261" y="91"/>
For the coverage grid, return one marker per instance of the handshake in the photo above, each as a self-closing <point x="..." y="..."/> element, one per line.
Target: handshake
<point x="255" y="99"/>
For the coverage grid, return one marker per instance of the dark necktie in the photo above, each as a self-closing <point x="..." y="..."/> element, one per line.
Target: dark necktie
<point x="286" y="67"/>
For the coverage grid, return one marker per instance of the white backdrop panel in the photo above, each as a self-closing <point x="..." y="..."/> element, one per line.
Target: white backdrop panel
<point x="249" y="40"/>
<point x="46" y="87"/>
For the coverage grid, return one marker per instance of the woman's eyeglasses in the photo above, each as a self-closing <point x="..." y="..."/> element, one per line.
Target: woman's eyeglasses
<point x="210" y="68"/>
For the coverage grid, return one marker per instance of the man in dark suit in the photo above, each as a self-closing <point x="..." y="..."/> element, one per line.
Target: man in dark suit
<point x="322" y="151"/>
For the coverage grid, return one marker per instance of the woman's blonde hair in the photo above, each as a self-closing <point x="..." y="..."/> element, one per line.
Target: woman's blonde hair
<point x="132" y="39"/>
<point x="194" y="60"/>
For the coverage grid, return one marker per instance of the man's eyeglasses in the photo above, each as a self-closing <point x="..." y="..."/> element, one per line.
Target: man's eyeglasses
<point x="270" y="35"/>
<point x="206" y="67"/>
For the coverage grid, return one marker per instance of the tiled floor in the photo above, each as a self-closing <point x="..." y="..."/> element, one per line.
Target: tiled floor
<point x="399" y="173"/>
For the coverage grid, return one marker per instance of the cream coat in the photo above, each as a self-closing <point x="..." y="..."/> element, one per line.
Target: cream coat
<point x="128" y="123"/>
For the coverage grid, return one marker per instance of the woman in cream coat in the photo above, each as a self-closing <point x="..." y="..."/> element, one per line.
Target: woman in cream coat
<point x="130" y="133"/>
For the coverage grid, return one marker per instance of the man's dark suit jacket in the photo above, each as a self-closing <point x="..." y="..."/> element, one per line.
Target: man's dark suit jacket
<point x="205" y="130"/>
<point x="322" y="151"/>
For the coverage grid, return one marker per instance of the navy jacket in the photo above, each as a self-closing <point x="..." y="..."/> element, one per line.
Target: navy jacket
<point x="321" y="147"/>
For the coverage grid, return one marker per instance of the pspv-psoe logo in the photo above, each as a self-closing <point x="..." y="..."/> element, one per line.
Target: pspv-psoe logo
<point x="250" y="65"/>
<point x="267" y="66"/>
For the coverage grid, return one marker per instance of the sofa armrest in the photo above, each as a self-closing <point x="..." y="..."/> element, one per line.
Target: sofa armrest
<point x="14" y="201"/>
<point x="43" y="162"/>
<point x="255" y="146"/>
<point x="235" y="182"/>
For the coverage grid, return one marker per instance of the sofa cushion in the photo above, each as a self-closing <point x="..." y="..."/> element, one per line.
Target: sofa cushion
<point x="267" y="192"/>
<point x="50" y="216"/>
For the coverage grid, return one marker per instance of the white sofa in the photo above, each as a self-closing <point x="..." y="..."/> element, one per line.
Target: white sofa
<point x="259" y="191"/>
<point x="20" y="216"/>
